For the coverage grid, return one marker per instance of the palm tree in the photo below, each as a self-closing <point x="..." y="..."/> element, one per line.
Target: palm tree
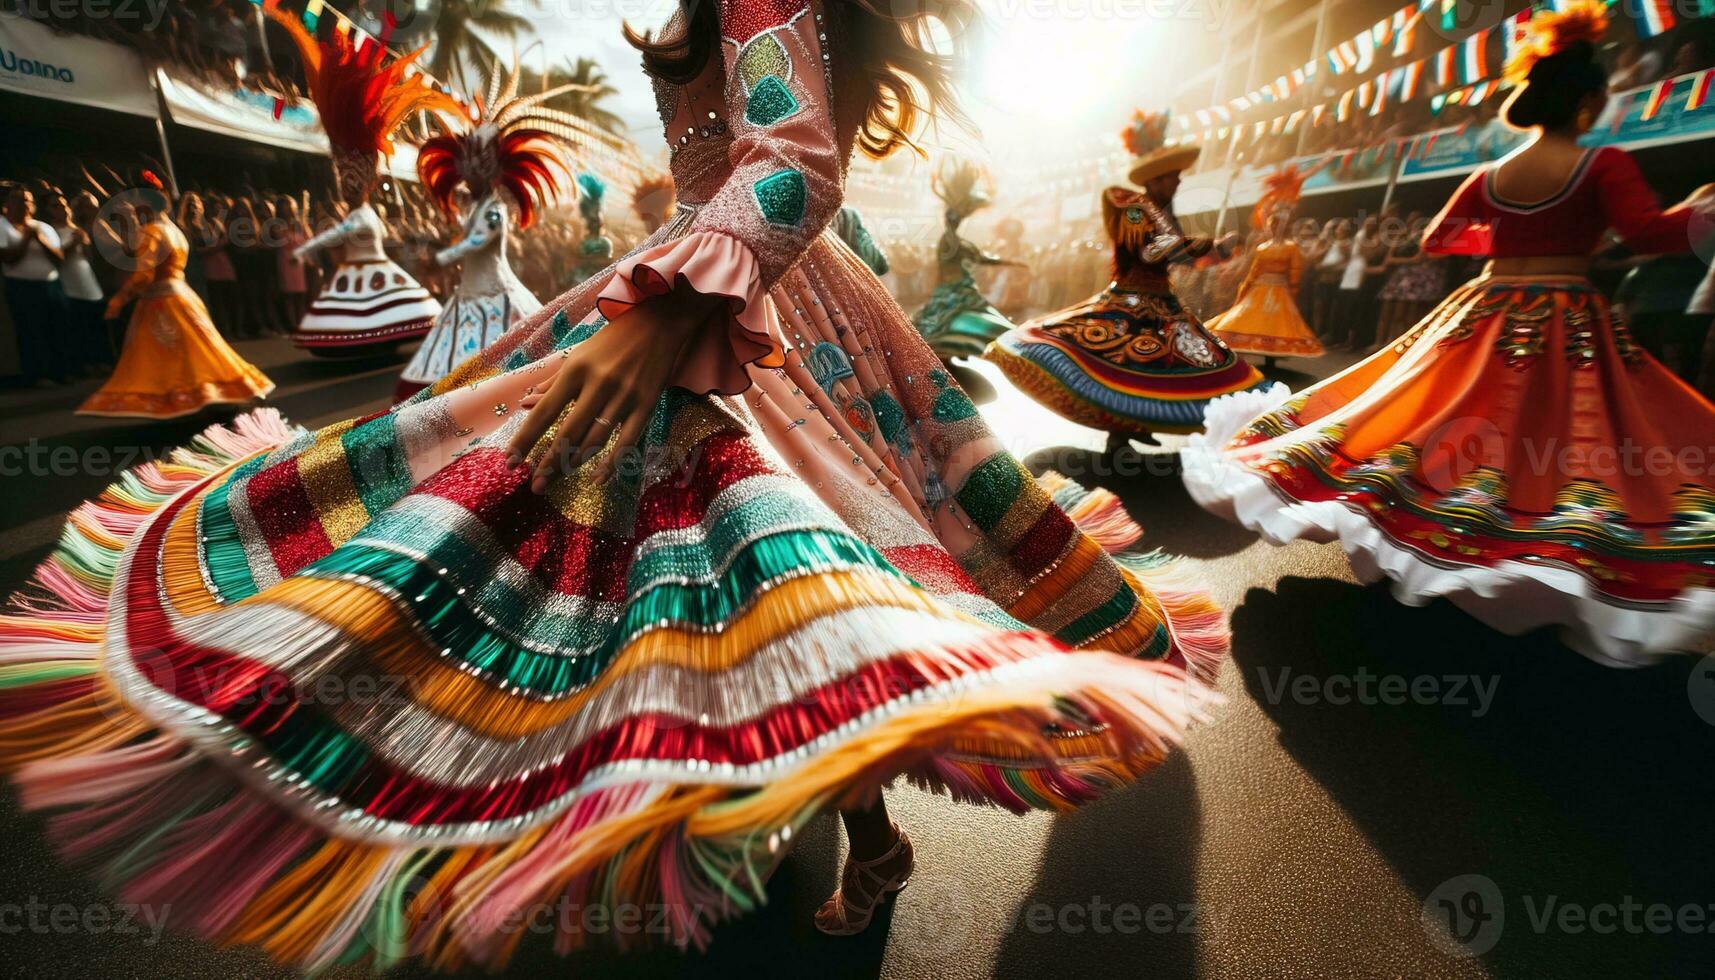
<point x="464" y="32"/>
<point x="584" y="101"/>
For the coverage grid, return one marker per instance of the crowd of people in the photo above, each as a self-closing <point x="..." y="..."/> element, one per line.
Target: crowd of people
<point x="71" y="243"/>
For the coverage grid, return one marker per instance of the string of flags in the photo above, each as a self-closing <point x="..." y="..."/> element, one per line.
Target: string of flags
<point x="1463" y="70"/>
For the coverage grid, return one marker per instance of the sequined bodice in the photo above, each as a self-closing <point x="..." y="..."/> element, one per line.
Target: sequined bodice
<point x="693" y="120"/>
<point x="694" y="116"/>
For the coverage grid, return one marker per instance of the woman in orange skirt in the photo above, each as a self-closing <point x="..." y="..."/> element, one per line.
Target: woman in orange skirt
<point x="174" y="362"/>
<point x="1266" y="320"/>
<point x="1516" y="452"/>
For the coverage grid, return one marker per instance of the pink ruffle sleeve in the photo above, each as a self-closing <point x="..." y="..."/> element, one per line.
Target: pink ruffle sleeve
<point x="715" y="265"/>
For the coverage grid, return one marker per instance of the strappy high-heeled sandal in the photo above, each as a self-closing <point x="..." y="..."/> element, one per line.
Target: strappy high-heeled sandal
<point x="849" y="919"/>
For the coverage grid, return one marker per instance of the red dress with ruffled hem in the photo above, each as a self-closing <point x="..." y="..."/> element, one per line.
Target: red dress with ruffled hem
<point x="1516" y="451"/>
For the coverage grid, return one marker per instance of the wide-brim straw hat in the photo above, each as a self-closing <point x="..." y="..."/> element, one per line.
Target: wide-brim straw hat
<point x="1163" y="160"/>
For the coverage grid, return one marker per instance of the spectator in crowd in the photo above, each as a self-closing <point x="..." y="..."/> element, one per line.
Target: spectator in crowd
<point x="1328" y="260"/>
<point x="254" y="265"/>
<point x="1634" y="66"/>
<point x="209" y="255"/>
<point x="1415" y="282"/>
<point x="85" y="332"/>
<point x="294" y="284"/>
<point x="1686" y="59"/>
<point x="30" y="259"/>
<point x="1354" y="321"/>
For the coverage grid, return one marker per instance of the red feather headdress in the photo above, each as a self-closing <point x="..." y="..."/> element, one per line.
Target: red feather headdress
<point x="509" y="141"/>
<point x="1147" y="131"/>
<point x="1283" y="187"/>
<point x="1551" y="32"/>
<point x="360" y="99"/>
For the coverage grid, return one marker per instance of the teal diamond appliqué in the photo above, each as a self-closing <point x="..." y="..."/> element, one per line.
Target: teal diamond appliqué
<point x="770" y="102"/>
<point x="782" y="197"/>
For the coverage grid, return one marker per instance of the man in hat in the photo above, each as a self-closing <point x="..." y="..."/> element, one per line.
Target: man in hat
<point x="1131" y="360"/>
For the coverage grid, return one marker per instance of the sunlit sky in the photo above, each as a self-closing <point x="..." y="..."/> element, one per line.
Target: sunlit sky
<point x="1046" y="73"/>
<point x="1048" y="84"/>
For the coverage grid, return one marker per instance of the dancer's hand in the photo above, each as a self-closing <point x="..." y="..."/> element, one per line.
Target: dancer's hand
<point x="609" y="383"/>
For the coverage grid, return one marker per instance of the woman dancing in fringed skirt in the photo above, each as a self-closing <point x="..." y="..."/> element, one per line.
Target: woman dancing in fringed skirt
<point x="1516" y="451"/>
<point x="797" y="566"/>
<point x="958" y="320"/>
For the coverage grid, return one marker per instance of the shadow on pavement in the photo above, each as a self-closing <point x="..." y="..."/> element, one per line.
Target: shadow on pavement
<point x="1580" y="785"/>
<point x="1116" y="892"/>
<point x="1149" y="486"/>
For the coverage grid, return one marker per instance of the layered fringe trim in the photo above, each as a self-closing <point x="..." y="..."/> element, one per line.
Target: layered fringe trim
<point x="160" y="822"/>
<point x="1197" y="625"/>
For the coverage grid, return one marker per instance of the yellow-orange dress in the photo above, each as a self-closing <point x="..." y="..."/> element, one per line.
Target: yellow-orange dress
<point x="174" y="362"/>
<point x="1265" y="320"/>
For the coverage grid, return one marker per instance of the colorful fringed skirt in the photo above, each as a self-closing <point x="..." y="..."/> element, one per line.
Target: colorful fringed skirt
<point x="958" y="321"/>
<point x="364" y="308"/>
<point x="359" y="692"/>
<point x="1516" y="452"/>
<point x="1127" y="361"/>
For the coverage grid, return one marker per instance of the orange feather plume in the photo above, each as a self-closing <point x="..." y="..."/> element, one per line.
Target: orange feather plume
<point x="360" y="99"/>
<point x="1283" y="187"/>
<point x="1147" y="131"/>
<point x="1551" y="32"/>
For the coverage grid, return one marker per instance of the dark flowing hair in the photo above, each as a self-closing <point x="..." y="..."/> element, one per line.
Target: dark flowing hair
<point x="1556" y="68"/>
<point x="888" y="41"/>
